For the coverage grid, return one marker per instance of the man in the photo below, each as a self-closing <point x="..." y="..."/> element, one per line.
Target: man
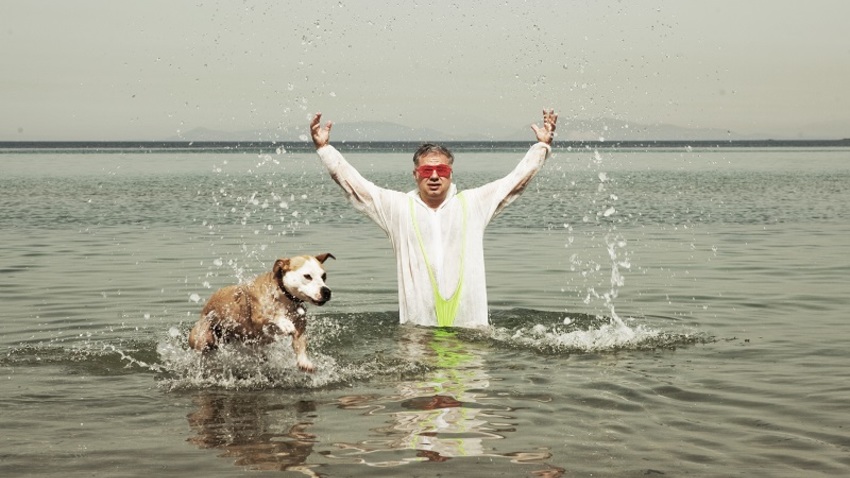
<point x="437" y="233"/>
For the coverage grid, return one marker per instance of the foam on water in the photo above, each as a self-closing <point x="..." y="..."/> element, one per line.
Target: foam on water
<point x="608" y="337"/>
<point x="550" y="334"/>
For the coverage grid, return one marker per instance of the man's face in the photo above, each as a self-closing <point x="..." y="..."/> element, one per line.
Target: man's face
<point x="434" y="184"/>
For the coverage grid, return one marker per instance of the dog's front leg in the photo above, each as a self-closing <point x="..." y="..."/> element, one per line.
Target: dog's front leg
<point x="299" y="345"/>
<point x="285" y="325"/>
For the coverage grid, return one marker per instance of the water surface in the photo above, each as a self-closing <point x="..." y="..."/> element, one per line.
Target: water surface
<point x="670" y="312"/>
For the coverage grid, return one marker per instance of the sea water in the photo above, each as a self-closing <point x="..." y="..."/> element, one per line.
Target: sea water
<point x="655" y="312"/>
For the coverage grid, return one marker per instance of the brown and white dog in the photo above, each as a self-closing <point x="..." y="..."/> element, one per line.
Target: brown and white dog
<point x="269" y="306"/>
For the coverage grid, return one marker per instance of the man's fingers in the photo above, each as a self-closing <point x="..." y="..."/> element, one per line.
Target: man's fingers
<point x="316" y="124"/>
<point x="550" y="118"/>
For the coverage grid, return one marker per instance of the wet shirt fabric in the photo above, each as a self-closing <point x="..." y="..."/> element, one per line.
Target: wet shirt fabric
<point x="450" y="238"/>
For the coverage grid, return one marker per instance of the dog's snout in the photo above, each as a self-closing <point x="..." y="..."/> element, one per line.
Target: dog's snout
<point x="324" y="296"/>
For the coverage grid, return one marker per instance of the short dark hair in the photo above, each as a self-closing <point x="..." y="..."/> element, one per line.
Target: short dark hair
<point x="429" y="148"/>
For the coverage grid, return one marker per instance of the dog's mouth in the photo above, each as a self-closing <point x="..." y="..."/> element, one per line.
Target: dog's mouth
<point x="324" y="296"/>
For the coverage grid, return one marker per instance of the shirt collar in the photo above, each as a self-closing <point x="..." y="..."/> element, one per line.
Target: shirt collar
<point x="452" y="193"/>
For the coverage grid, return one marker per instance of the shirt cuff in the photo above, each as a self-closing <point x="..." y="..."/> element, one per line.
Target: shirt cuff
<point x="547" y="146"/>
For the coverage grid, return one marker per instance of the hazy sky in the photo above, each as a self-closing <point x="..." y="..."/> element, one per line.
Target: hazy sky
<point x="111" y="70"/>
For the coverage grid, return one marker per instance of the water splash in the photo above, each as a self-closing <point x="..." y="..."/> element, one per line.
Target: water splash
<point x="132" y="361"/>
<point x="252" y="202"/>
<point x="552" y="334"/>
<point x="606" y="337"/>
<point x="236" y="367"/>
<point x="616" y="245"/>
<point x="602" y="217"/>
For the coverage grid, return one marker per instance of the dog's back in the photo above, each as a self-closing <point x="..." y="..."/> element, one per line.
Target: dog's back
<point x="226" y="314"/>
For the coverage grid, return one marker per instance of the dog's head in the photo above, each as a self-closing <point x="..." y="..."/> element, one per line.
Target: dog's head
<point x="303" y="278"/>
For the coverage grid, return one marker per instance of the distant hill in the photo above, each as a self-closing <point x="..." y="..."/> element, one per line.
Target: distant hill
<point x="384" y="131"/>
<point x="602" y="129"/>
<point x="606" y="129"/>
<point x="354" y="131"/>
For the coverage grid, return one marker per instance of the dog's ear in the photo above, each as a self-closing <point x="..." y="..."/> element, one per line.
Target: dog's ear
<point x="323" y="257"/>
<point x="279" y="269"/>
<point x="281" y="266"/>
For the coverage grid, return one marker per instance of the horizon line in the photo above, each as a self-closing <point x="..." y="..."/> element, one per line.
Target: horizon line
<point x="242" y="145"/>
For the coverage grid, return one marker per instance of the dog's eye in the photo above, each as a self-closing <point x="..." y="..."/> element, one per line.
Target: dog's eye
<point x="308" y="277"/>
<point x="324" y="277"/>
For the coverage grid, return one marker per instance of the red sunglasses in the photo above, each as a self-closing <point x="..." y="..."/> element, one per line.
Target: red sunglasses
<point x="425" y="171"/>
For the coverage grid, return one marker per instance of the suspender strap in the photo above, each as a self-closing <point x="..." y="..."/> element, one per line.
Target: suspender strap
<point x="446" y="309"/>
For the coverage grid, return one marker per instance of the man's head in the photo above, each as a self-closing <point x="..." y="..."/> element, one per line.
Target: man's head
<point x="432" y="172"/>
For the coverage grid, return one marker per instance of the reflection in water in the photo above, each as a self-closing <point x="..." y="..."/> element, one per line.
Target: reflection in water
<point x="258" y="434"/>
<point x="445" y="415"/>
<point x="448" y="414"/>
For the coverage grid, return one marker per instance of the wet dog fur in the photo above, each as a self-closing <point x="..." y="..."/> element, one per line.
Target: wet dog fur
<point x="269" y="306"/>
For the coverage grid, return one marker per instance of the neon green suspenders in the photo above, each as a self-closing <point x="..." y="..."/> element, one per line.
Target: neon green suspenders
<point x="446" y="309"/>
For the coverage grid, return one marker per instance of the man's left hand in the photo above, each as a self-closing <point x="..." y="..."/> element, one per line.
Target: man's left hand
<point x="321" y="135"/>
<point x="547" y="133"/>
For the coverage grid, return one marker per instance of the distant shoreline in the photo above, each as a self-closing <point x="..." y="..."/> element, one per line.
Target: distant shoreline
<point x="392" y="146"/>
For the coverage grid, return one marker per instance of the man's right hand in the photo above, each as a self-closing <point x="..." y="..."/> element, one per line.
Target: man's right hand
<point x="321" y="134"/>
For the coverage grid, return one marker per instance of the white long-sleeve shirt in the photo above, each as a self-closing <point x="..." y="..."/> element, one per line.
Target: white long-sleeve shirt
<point x="441" y="231"/>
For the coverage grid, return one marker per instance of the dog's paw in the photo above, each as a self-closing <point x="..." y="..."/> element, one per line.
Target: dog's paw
<point x="306" y="365"/>
<point x="286" y="326"/>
